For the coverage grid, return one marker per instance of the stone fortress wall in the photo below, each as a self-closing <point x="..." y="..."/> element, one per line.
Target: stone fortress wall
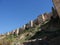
<point x="38" y="21"/>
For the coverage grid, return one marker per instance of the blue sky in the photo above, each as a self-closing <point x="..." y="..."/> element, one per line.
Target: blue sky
<point x="15" y="13"/>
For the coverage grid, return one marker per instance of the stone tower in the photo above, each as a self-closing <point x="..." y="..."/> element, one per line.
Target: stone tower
<point x="57" y="6"/>
<point x="8" y="33"/>
<point x="17" y="31"/>
<point x="31" y="23"/>
<point x="40" y="20"/>
<point x="24" y="26"/>
<point x="43" y="17"/>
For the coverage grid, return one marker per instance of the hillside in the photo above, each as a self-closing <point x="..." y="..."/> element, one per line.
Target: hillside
<point x="33" y="33"/>
<point x="44" y="30"/>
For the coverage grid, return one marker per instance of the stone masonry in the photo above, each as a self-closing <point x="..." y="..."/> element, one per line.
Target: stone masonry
<point x="40" y="19"/>
<point x="57" y="6"/>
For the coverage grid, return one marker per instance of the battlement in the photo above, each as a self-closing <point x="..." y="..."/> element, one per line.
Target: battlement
<point x="38" y="21"/>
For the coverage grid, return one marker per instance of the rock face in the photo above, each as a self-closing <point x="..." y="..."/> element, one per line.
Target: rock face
<point x="57" y="6"/>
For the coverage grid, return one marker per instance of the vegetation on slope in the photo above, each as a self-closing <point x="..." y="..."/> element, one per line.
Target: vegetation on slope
<point x="33" y="33"/>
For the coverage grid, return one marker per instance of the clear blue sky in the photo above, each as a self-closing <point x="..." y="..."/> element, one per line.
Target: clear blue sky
<point x="15" y="13"/>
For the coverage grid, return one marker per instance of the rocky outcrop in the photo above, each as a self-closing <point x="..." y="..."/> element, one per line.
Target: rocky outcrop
<point x="57" y="6"/>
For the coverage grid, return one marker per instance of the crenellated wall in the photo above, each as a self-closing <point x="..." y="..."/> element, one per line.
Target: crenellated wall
<point x="38" y="21"/>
